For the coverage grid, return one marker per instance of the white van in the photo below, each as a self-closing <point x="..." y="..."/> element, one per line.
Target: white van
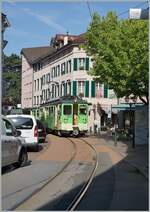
<point x="28" y="126"/>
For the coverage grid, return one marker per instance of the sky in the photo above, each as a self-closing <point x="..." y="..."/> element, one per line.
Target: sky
<point x="34" y="23"/>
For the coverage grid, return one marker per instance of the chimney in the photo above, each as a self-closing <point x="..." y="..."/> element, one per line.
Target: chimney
<point x="65" y="40"/>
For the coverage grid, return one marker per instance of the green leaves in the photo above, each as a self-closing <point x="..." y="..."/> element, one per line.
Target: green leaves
<point x="12" y="79"/>
<point x="120" y="51"/>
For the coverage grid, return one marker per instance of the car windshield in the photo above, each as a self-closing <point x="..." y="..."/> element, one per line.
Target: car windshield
<point x="22" y="122"/>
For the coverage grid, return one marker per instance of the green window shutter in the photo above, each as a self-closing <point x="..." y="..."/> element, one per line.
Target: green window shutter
<point x="93" y="89"/>
<point x="70" y="63"/>
<point x="65" y="89"/>
<point x="54" y="72"/>
<point x="105" y="91"/>
<point x="87" y="64"/>
<point x="66" y="67"/>
<point x="61" y="90"/>
<point x="74" y="88"/>
<point x="75" y="64"/>
<point x="87" y="89"/>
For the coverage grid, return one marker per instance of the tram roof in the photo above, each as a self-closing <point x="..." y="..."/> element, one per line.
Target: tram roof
<point x="67" y="99"/>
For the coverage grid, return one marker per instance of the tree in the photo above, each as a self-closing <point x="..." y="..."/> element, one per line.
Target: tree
<point x="119" y="49"/>
<point x="11" y="61"/>
<point x="12" y="79"/>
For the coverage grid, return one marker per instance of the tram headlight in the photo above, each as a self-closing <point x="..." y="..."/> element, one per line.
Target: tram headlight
<point x="65" y="120"/>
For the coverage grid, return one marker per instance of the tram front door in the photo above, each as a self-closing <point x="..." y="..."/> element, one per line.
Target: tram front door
<point x="75" y="114"/>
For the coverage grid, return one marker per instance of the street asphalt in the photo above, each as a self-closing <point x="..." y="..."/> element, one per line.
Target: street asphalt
<point x="116" y="185"/>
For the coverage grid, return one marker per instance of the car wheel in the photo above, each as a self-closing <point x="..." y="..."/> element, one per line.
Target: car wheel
<point x="23" y="158"/>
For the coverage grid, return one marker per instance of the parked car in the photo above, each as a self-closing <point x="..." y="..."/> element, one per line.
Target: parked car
<point x="28" y="126"/>
<point x="14" y="150"/>
<point x="41" y="131"/>
<point x="16" y="111"/>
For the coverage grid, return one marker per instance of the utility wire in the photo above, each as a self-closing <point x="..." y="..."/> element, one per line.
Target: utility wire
<point x="133" y="7"/>
<point x="89" y="8"/>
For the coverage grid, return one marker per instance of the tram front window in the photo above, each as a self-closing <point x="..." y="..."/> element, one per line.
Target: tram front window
<point x="67" y="110"/>
<point x="82" y="111"/>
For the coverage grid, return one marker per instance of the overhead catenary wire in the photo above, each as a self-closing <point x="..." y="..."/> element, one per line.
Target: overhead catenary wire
<point x="90" y="12"/>
<point x="138" y="5"/>
<point x="122" y="13"/>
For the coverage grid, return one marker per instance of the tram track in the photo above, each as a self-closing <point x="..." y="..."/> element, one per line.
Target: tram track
<point x="85" y="187"/>
<point x="79" y="196"/>
<point x="48" y="180"/>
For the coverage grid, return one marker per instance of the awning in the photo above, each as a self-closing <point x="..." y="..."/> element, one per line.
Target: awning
<point x="130" y="106"/>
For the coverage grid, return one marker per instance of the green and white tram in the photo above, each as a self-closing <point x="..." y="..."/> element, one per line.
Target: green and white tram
<point x="66" y="115"/>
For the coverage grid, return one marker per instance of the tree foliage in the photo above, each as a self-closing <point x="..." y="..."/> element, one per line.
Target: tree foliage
<point x="120" y="54"/>
<point x="12" y="79"/>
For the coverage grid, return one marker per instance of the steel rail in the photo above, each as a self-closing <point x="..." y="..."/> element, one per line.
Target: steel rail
<point x="84" y="189"/>
<point x="49" y="180"/>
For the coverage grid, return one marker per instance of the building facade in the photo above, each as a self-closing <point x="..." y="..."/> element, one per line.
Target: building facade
<point x="65" y="71"/>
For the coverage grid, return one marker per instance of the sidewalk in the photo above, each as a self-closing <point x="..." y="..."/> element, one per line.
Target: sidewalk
<point x="136" y="157"/>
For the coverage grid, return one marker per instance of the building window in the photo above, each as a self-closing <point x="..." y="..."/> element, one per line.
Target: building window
<point x="63" y="89"/>
<point x="37" y="100"/>
<point x="54" y="71"/>
<point x="37" y="66"/>
<point x="98" y="90"/>
<point x="58" y="69"/>
<point x="52" y="75"/>
<point x="81" y="88"/>
<point x="63" y="69"/>
<point x="43" y="95"/>
<point x="69" y="88"/>
<point x="38" y="84"/>
<point x="34" y="100"/>
<point x="69" y="66"/>
<point x="43" y="79"/>
<point x="57" y="90"/>
<point x="41" y="82"/>
<point x="35" y="85"/>
<point x="41" y="99"/>
<point x="81" y="64"/>
<point x="53" y="91"/>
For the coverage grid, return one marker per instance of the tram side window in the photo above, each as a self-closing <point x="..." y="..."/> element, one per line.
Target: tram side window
<point x="67" y="110"/>
<point x="82" y="111"/>
<point x="51" y="110"/>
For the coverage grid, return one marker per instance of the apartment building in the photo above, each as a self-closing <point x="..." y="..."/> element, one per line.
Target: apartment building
<point x="62" y="69"/>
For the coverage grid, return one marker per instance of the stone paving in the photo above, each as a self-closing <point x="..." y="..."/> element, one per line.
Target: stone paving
<point x="137" y="157"/>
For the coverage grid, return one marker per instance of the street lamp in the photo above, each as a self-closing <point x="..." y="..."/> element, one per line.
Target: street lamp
<point x="131" y="101"/>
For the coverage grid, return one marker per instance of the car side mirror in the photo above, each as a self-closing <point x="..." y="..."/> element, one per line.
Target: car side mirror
<point x="18" y="133"/>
